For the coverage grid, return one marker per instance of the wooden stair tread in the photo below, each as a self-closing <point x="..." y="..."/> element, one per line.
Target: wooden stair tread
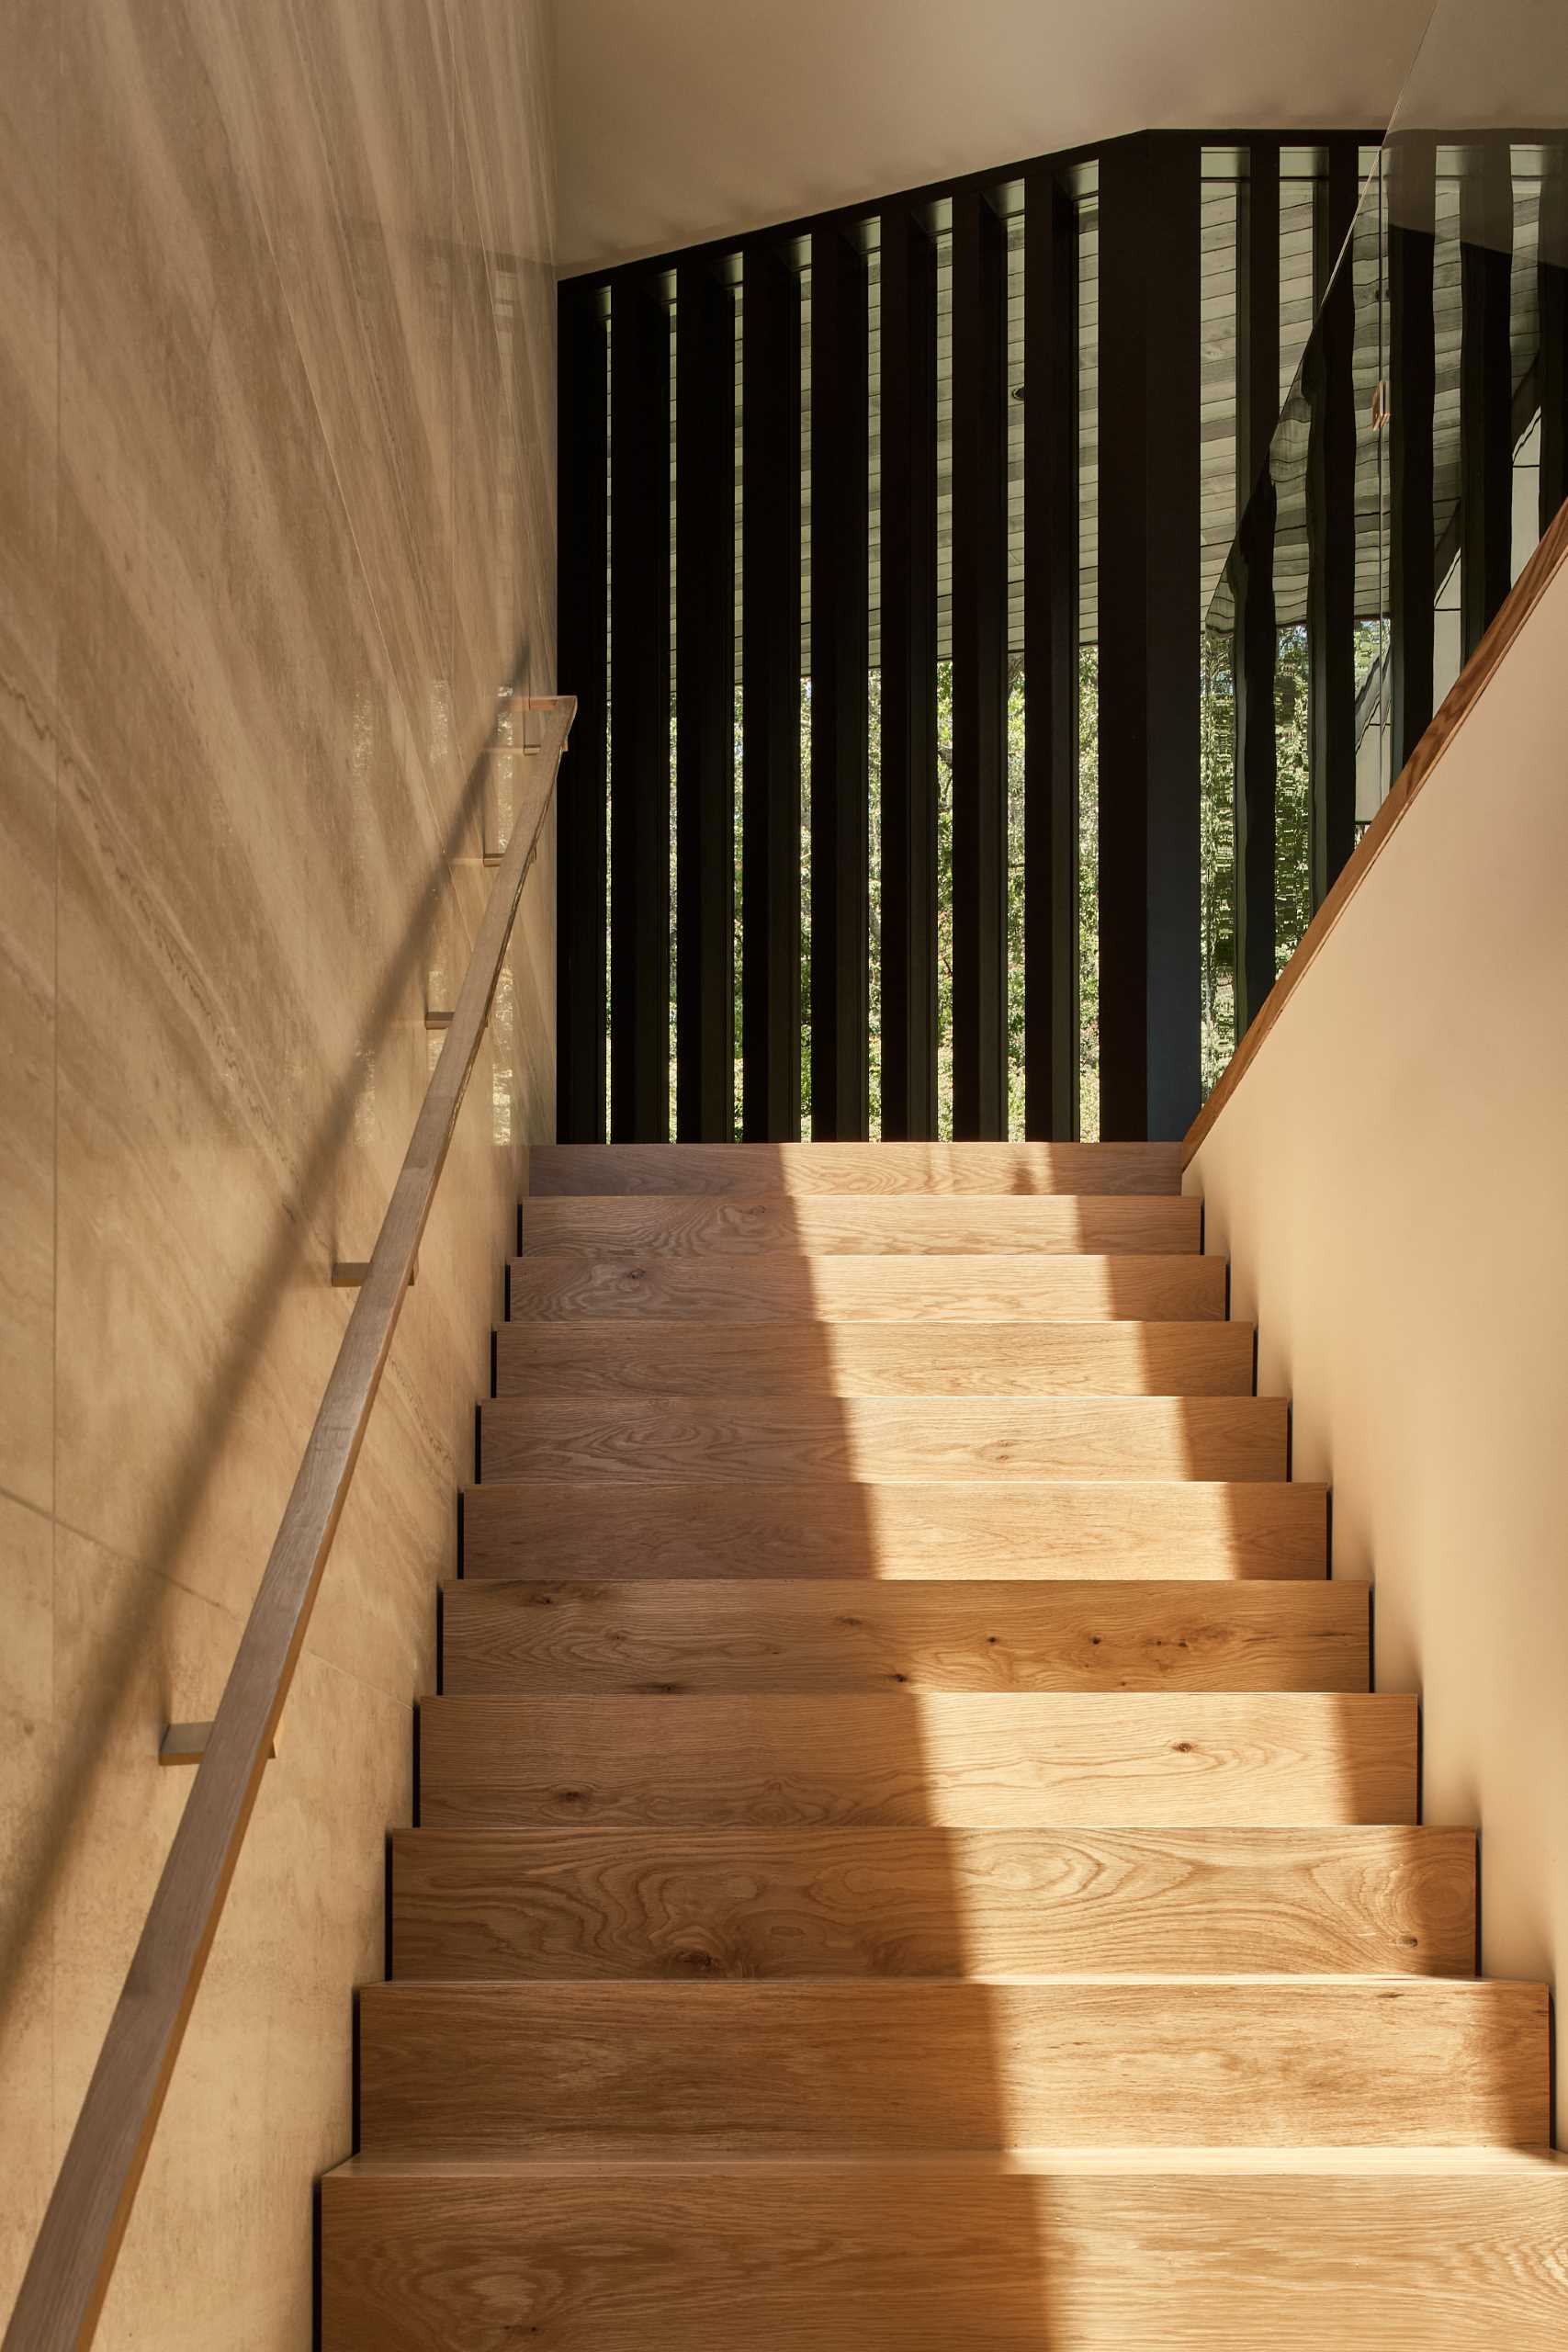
<point x="1221" y="2249"/>
<point x="1090" y="2059"/>
<point x="990" y="1760"/>
<point x="740" y="1440"/>
<point x="927" y="1902"/>
<point x="1414" y="2162"/>
<point x="598" y="1170"/>
<point x="999" y="1288"/>
<point x="883" y="1359"/>
<point x="1170" y="1984"/>
<point x="1021" y="1529"/>
<point x="822" y="1634"/>
<point x="1054" y="1224"/>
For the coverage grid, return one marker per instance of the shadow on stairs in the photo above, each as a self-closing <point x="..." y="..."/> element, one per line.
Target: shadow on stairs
<point x="909" y="1852"/>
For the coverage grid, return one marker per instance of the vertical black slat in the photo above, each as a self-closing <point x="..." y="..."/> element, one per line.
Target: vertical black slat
<point x="909" y="677"/>
<point x="639" y="710"/>
<point x="1486" y="390"/>
<point x="1257" y="641"/>
<point x="979" y="669"/>
<point x="1173" y="981"/>
<point x="582" y="557"/>
<point x="1149" y="636"/>
<point x="1411" y="394"/>
<point x="1329" y="378"/>
<point x="704" y="704"/>
<point x="1051" y="659"/>
<point x="840" y="677"/>
<point x="770" y="878"/>
<point x="1552" y="367"/>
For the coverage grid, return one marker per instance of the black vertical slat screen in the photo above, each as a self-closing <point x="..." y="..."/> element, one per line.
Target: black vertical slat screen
<point x="840" y="679"/>
<point x="1051" y="659"/>
<point x="1256" y="641"/>
<point x="705" y="703"/>
<point x="1149" y="622"/>
<point x="979" y="669"/>
<point x="1331" y="528"/>
<point x="771" y="1007"/>
<point x="712" y="481"/>
<point x="1412" y="239"/>
<point x="1552" y="283"/>
<point x="908" y="676"/>
<point x="1486" y="390"/>
<point x="582" y="563"/>
<point x="639" y="709"/>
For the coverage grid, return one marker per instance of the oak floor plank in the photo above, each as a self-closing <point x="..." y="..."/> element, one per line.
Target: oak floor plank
<point x="888" y="1359"/>
<point x="920" y="1902"/>
<point x="595" y="2068"/>
<point x="1154" y="1759"/>
<point x="600" y="1171"/>
<point x="968" y="1636"/>
<point x="1449" y="2251"/>
<point x="951" y="1288"/>
<point x="830" y="1224"/>
<point x="744" y="1440"/>
<point x="1023" y="1528"/>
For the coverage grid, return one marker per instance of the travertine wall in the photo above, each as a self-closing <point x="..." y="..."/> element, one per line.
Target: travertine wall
<point x="277" y="482"/>
<point x="1388" y="1179"/>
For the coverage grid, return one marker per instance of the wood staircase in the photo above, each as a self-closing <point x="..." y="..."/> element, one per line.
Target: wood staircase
<point x="908" y="1855"/>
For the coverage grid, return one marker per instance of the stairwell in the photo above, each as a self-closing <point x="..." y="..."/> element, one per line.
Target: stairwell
<point x="908" y="1850"/>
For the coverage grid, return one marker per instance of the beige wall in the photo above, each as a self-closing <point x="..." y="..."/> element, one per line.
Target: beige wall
<point x="1390" y="1181"/>
<point x="276" y="328"/>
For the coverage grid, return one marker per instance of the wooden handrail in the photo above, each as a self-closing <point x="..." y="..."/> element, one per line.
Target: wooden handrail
<point x="74" y="2259"/>
<point x="1460" y="701"/>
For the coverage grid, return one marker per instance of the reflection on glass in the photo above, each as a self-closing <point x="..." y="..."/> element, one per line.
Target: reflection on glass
<point x="1451" y="293"/>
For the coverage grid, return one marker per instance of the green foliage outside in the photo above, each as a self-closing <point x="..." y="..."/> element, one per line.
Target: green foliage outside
<point x="1088" y="881"/>
<point x="1217" y="884"/>
<point x="1216" y="857"/>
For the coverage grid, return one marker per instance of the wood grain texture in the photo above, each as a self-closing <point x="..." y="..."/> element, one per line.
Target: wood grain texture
<point x="992" y="1760"/>
<point x="919" y="1223"/>
<point x="829" y="1290"/>
<point x="687" y="1359"/>
<point x="972" y="1634"/>
<point x="1023" y="1529"/>
<point x="752" y="1170"/>
<point x="1460" y="701"/>
<point x="776" y="1439"/>
<point x="769" y="1902"/>
<point x="73" y="2258"/>
<point x="1454" y="2251"/>
<point x="593" y="2069"/>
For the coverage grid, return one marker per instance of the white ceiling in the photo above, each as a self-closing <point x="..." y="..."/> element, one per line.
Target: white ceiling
<point x="684" y="120"/>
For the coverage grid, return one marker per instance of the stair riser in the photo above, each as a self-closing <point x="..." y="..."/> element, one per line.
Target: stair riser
<point x="534" y="1359"/>
<point x="1264" y="1529"/>
<point x="927" y="2258"/>
<point x="767" y="1636"/>
<point x="663" y="1286"/>
<point x="769" y="1440"/>
<point x="917" y="1224"/>
<point x="584" y="1904"/>
<point x="993" y="1761"/>
<point x="1078" y="2062"/>
<point x="751" y="1171"/>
